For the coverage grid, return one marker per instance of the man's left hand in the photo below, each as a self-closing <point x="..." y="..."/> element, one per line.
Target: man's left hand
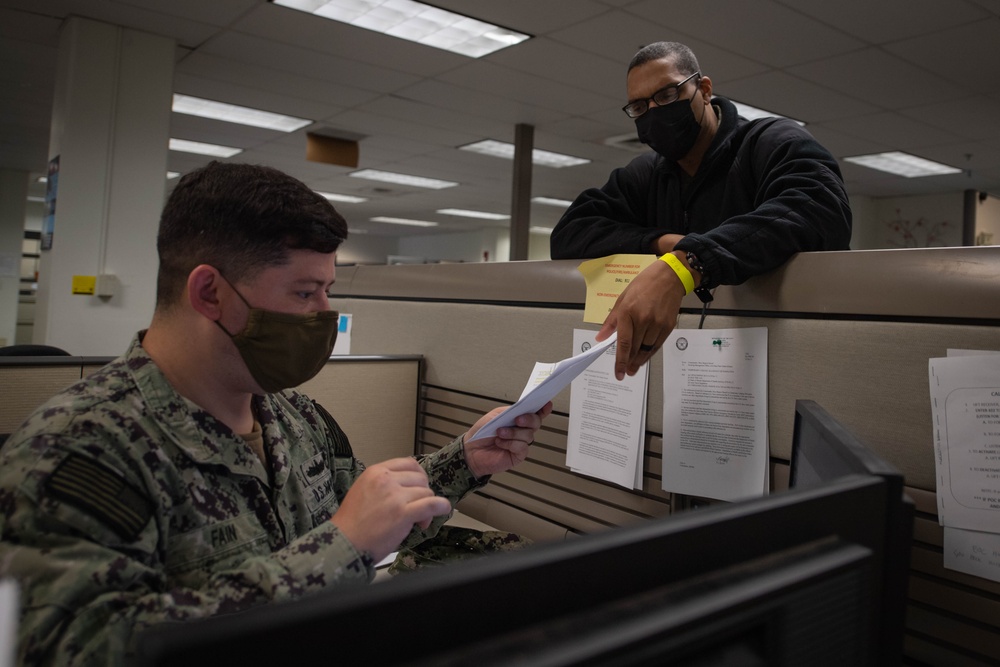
<point x="488" y="456"/>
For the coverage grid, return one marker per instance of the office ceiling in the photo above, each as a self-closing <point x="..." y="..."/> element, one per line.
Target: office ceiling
<point x="920" y="76"/>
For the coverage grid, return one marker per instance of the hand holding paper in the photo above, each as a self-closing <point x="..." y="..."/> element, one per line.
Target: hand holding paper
<point x="546" y="381"/>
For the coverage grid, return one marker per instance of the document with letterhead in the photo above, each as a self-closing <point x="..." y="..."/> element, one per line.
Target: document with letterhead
<point x="715" y="441"/>
<point x="607" y="418"/>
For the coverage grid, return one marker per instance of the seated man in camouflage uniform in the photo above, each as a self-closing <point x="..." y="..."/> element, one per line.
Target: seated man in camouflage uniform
<point x="183" y="479"/>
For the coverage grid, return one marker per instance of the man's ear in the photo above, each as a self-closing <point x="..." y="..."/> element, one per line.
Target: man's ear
<point x="203" y="291"/>
<point x="705" y="88"/>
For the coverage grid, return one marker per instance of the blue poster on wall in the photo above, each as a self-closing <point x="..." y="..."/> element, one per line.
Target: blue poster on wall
<point x="51" y="187"/>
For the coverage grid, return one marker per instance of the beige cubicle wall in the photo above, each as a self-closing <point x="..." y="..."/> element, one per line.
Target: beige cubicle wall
<point x="850" y="330"/>
<point x="373" y="398"/>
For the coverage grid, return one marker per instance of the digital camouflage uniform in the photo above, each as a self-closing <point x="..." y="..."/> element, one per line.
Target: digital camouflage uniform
<point x="123" y="504"/>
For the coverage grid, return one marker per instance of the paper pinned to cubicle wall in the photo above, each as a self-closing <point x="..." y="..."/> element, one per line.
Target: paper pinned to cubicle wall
<point x="606" y="278"/>
<point x="607" y="419"/>
<point x="715" y="439"/>
<point x="343" y="343"/>
<point x="965" y="411"/>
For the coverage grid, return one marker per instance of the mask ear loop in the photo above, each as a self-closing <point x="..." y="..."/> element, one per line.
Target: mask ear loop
<point x="245" y="302"/>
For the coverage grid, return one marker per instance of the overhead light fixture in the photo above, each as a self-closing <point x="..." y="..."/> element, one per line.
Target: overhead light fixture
<point x="551" y="201"/>
<point x="506" y="150"/>
<point x="352" y="230"/>
<point x="199" y="148"/>
<point x="172" y="175"/>
<point x="902" y="164"/>
<point x="231" y="113"/>
<point x="36" y="199"/>
<point x="415" y="22"/>
<point x="753" y="113"/>
<point x="347" y="199"/>
<point x="402" y="179"/>
<point x="405" y="221"/>
<point x="540" y="230"/>
<point x="482" y="215"/>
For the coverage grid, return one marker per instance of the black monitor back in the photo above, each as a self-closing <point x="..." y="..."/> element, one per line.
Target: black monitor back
<point x="823" y="449"/>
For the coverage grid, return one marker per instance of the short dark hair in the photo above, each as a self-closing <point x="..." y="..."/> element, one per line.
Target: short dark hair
<point x="239" y="218"/>
<point x="682" y="57"/>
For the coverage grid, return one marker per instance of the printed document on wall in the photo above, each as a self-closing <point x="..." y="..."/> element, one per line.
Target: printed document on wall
<point x="975" y="552"/>
<point x="965" y="409"/>
<point x="607" y="418"/>
<point x="715" y="413"/>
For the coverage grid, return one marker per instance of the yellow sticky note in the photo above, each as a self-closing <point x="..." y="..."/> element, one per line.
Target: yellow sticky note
<point x="606" y="278"/>
<point x="84" y="284"/>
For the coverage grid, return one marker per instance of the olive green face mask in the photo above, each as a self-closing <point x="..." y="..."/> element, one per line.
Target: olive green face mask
<point x="283" y="350"/>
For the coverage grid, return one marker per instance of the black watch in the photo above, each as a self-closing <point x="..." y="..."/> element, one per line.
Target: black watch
<point x="700" y="291"/>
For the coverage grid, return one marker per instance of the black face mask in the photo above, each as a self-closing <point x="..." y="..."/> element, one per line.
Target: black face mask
<point x="670" y="130"/>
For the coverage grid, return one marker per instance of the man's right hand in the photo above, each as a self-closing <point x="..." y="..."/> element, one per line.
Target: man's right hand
<point x="644" y="315"/>
<point x="384" y="503"/>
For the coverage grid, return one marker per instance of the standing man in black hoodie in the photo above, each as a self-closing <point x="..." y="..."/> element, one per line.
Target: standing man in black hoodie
<point x="719" y="200"/>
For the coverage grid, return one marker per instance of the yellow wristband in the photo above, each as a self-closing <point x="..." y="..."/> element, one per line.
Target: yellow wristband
<point x="682" y="271"/>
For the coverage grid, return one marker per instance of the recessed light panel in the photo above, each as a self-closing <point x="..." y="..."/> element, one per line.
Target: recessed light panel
<point x="753" y="113"/>
<point x="199" y="148"/>
<point x="415" y="22"/>
<point x="482" y="215"/>
<point x="551" y="201"/>
<point x="347" y="199"/>
<point x="402" y="179"/>
<point x="506" y="150"/>
<point x="902" y="164"/>
<point x="231" y="113"/>
<point x="404" y="221"/>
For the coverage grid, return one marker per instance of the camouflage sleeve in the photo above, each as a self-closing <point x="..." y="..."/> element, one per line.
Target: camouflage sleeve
<point x="90" y="584"/>
<point x="450" y="478"/>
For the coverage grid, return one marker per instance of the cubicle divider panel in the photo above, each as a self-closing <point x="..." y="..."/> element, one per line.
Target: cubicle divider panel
<point x="542" y="487"/>
<point x="482" y="349"/>
<point x="23" y="387"/>
<point x="860" y="352"/>
<point x="374" y="400"/>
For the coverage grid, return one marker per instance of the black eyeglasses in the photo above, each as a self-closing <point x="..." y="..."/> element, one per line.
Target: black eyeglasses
<point x="663" y="96"/>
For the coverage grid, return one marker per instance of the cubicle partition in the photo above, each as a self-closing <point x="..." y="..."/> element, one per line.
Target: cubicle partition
<point x="374" y="398"/>
<point x="850" y="330"/>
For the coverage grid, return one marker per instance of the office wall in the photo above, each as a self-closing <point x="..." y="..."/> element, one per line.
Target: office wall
<point x="925" y="221"/>
<point x="988" y="221"/>
<point x="367" y="249"/>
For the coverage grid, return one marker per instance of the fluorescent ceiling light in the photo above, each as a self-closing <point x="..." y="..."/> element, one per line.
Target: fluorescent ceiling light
<point x="551" y="201"/>
<point x="506" y="150"/>
<point x="405" y="221"/>
<point x="185" y="146"/>
<point x="482" y="215"/>
<point x="173" y="174"/>
<point x="352" y="230"/>
<point x="902" y="164"/>
<point x="348" y="199"/>
<point x="195" y="106"/>
<point x="753" y="113"/>
<point x="36" y="199"/>
<point x="540" y="230"/>
<point x="402" y="179"/>
<point x="415" y="22"/>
